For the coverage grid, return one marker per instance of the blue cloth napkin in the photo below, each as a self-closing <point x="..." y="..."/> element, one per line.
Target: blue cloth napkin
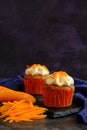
<point x="16" y="83"/>
<point x="81" y="97"/>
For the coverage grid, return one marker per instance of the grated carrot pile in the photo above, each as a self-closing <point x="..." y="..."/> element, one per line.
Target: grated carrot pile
<point x="21" y="111"/>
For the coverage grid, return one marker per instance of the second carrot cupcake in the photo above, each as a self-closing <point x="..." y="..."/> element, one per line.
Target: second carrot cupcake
<point x="34" y="78"/>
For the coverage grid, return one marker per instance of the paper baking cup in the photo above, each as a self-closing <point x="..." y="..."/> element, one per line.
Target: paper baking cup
<point x="58" y="98"/>
<point x="34" y="86"/>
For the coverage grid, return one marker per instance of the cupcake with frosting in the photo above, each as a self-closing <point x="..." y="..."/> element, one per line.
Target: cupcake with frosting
<point x="34" y="78"/>
<point x="58" y="90"/>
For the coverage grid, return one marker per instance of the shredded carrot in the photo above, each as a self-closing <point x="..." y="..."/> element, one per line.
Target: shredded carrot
<point x="21" y="111"/>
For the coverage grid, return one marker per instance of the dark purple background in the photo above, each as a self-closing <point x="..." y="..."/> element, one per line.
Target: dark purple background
<point x="50" y="32"/>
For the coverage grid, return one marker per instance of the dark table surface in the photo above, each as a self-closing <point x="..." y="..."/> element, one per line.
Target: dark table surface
<point x="64" y="123"/>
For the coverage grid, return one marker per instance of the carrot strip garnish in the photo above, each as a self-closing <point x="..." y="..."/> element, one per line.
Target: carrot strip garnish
<point x="21" y="111"/>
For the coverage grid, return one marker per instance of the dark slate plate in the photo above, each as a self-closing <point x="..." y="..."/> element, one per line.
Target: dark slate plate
<point x="61" y="112"/>
<point x="58" y="112"/>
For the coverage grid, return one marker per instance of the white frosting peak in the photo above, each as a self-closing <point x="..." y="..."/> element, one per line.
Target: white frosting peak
<point x="37" y="69"/>
<point x="60" y="78"/>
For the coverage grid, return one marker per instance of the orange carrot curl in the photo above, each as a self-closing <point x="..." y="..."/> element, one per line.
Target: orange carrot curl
<point x="7" y="94"/>
<point x="21" y="111"/>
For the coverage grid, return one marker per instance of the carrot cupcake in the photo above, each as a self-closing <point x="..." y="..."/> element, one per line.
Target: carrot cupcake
<point x="34" y="78"/>
<point x="59" y="90"/>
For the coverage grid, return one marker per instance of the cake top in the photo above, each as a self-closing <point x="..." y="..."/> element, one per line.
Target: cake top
<point x="60" y="78"/>
<point x="37" y="69"/>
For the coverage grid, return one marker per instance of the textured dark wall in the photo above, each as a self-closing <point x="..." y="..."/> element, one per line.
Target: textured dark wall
<point x="50" y="32"/>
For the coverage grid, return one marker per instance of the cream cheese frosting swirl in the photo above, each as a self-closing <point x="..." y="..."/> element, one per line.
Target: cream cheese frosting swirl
<point x="60" y="78"/>
<point x="37" y="69"/>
